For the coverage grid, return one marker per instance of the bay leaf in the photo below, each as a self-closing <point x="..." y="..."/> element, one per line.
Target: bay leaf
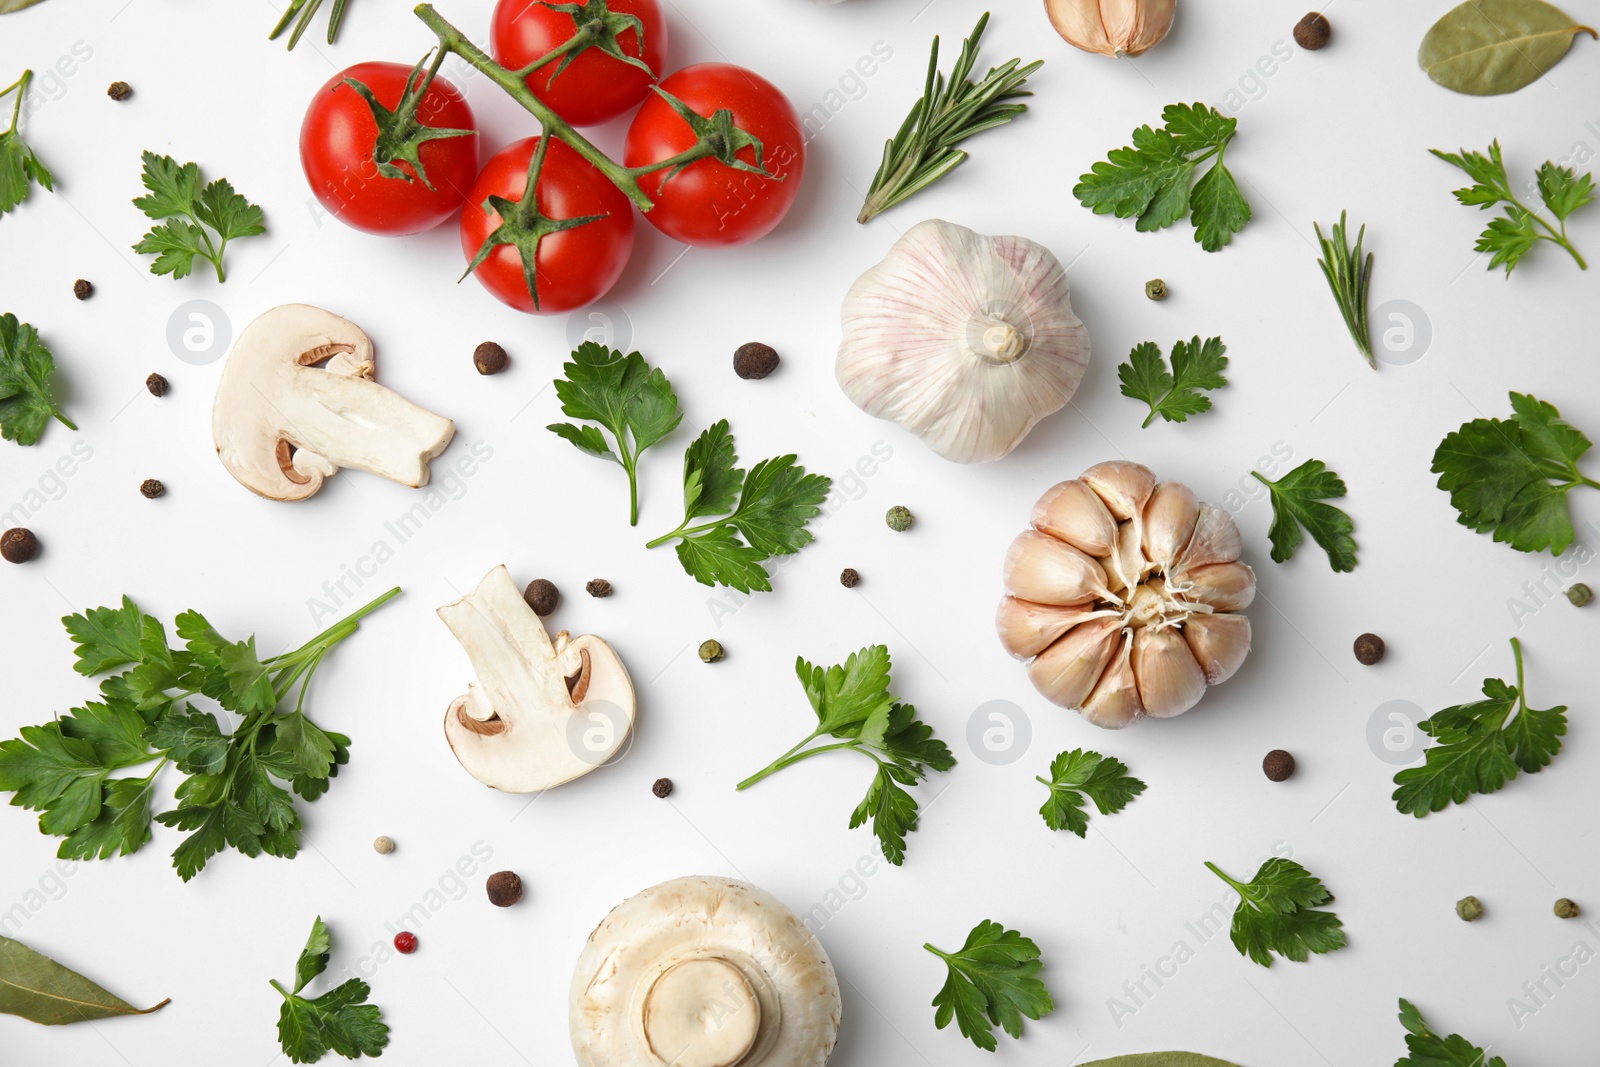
<point x="15" y="5"/>
<point x="1489" y="47"/>
<point x="1161" y="1059"/>
<point x="41" y="990"/>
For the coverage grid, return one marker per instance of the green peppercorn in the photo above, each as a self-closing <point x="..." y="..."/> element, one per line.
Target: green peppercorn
<point x="1155" y="289"/>
<point x="1567" y="909"/>
<point x="1469" y="908"/>
<point x="711" y="651"/>
<point x="899" y="518"/>
<point x="1580" y="595"/>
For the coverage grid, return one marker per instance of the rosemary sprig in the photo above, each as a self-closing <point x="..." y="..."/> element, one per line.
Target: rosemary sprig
<point x="307" y="9"/>
<point x="950" y="111"/>
<point x="1350" y="277"/>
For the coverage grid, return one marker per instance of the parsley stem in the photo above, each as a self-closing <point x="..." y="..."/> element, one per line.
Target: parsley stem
<point x="21" y="86"/>
<point x="1218" y="872"/>
<point x="795" y="755"/>
<point x="279" y="988"/>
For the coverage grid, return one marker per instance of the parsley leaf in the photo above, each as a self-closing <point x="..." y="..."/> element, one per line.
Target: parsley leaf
<point x="1297" y="500"/>
<point x="231" y="794"/>
<point x="853" y="705"/>
<point x="1428" y="1049"/>
<point x="776" y="500"/>
<point x="1512" y="235"/>
<point x="177" y="200"/>
<point x="991" y="982"/>
<point x="1481" y="746"/>
<point x="1174" y="394"/>
<point x="338" y="1021"/>
<point x="1511" y="477"/>
<point x="1277" y="913"/>
<point x="1150" y="180"/>
<point x="624" y="394"/>
<point x="26" y="366"/>
<point x="19" y="167"/>
<point x="1077" y="775"/>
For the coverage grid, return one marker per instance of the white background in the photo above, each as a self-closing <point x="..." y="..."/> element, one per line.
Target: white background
<point x="1344" y="128"/>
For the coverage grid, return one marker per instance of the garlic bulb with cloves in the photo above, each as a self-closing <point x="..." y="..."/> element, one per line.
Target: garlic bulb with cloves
<point x="1124" y="596"/>
<point x="1112" y="27"/>
<point x="965" y="340"/>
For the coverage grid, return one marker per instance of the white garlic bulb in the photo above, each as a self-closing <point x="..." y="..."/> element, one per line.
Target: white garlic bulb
<point x="1125" y="596"/>
<point x="1112" y="27"/>
<point x="965" y="340"/>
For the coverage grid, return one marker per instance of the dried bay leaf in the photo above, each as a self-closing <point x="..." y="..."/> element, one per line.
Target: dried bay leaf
<point x="41" y="990"/>
<point x="1161" y="1059"/>
<point x="7" y="6"/>
<point x="1489" y="47"/>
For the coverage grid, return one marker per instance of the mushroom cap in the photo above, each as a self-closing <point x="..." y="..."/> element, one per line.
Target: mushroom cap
<point x="703" y="972"/>
<point x="965" y="340"/>
<point x="542" y="711"/>
<point x="296" y="402"/>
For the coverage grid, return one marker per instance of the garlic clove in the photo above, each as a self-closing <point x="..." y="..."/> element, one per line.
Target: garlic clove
<point x="1076" y="514"/>
<point x="1224" y="586"/>
<point x="1125" y="487"/>
<point x="1112" y="27"/>
<point x="1170" y="681"/>
<point x="1080" y="24"/>
<point x="1026" y="628"/>
<point x="1114" y="702"/>
<point x="1067" y="671"/>
<point x="1169" y="521"/>
<point x="1216" y="540"/>
<point x="1219" y="643"/>
<point x="1049" y="571"/>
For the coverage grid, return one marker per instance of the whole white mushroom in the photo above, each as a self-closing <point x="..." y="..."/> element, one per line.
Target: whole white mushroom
<point x="703" y="972"/>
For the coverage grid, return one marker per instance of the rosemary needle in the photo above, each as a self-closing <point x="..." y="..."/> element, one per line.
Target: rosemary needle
<point x="1350" y="277"/>
<point x="951" y="110"/>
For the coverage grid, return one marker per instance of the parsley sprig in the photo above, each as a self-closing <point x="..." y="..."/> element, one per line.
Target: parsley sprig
<point x="1513" y="235"/>
<point x="854" y="707"/>
<point x="339" y="1021"/>
<point x="1481" y="746"/>
<point x="1150" y="180"/>
<point x="1277" y="912"/>
<point x="768" y="506"/>
<point x="633" y="401"/>
<point x="19" y="167"/>
<point x="992" y="981"/>
<point x="1428" y="1049"/>
<point x="1177" y="393"/>
<point x="1080" y="775"/>
<point x="185" y="210"/>
<point x="951" y="110"/>
<point x="1511" y="477"/>
<point x="27" y="402"/>
<point x="147" y="714"/>
<point x="1298" y="501"/>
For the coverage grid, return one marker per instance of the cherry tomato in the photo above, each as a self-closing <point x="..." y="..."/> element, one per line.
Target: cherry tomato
<point x="337" y="141"/>
<point x="709" y="202"/>
<point x="596" y="86"/>
<point x="575" y="266"/>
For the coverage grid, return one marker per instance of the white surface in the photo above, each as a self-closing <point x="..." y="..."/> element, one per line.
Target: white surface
<point x="1344" y="128"/>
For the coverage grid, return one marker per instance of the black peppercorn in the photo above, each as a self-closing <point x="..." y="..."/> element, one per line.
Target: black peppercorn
<point x="849" y="577"/>
<point x="755" y="360"/>
<point x="152" y="488"/>
<point x="1369" y="649"/>
<point x="662" y="788"/>
<point x="599" y="587"/>
<point x="505" y="888"/>
<point x="156" y="384"/>
<point x="542" y="596"/>
<point x="1278" y="765"/>
<point x="489" y="358"/>
<point x="1313" y="31"/>
<point x="82" y="289"/>
<point x="18" y="545"/>
<point x="119" y="90"/>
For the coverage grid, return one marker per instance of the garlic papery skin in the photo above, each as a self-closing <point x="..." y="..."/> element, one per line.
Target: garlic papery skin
<point x="1140" y="631"/>
<point x="965" y="340"/>
<point x="1112" y="27"/>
